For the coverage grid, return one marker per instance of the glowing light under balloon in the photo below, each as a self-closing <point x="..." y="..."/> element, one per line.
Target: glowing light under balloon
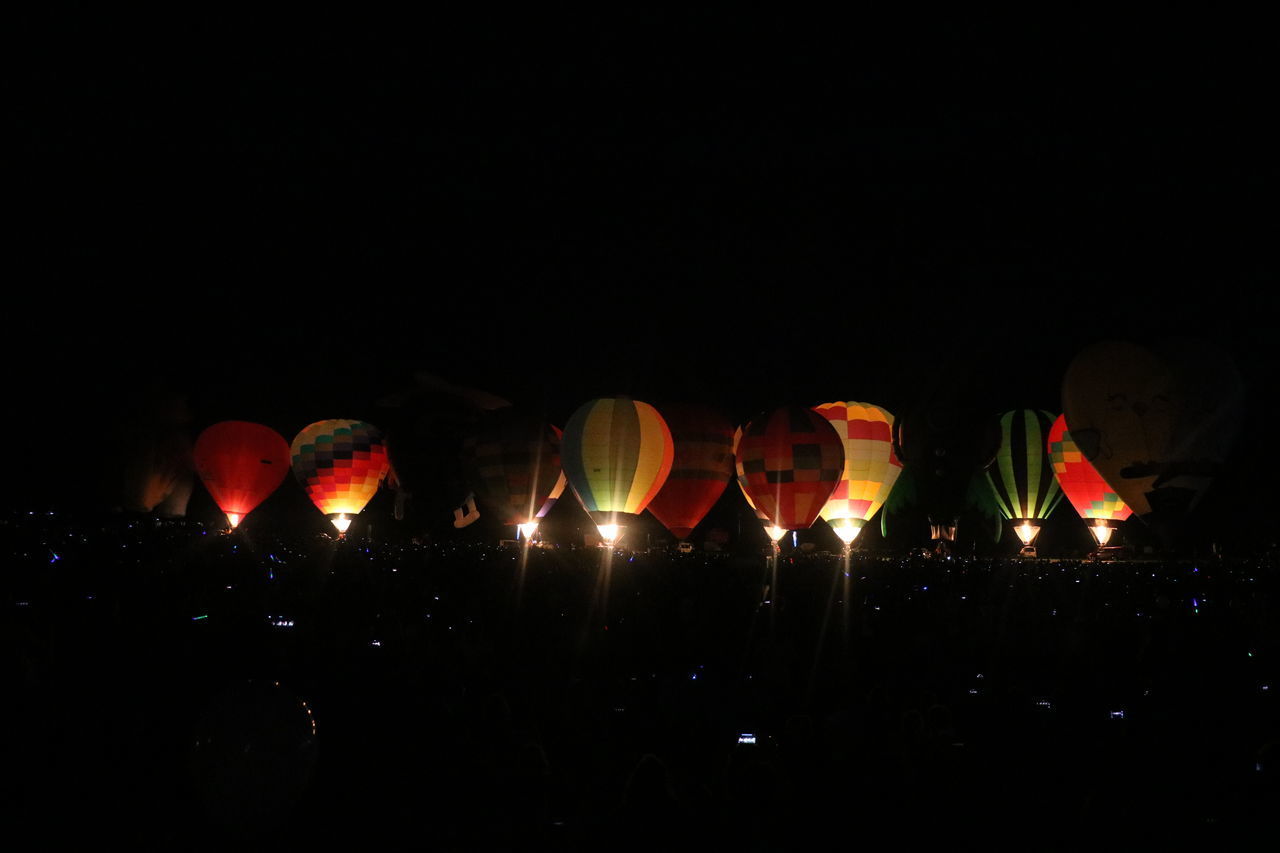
<point x="527" y="529"/>
<point x="1027" y="532"/>
<point x="847" y="529"/>
<point x="775" y="532"/>
<point x="341" y="522"/>
<point x="610" y="533"/>
<point x="234" y="518"/>
<point x="1101" y="531"/>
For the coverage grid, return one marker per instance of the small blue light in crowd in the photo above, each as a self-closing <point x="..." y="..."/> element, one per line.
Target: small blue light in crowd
<point x="55" y="557"/>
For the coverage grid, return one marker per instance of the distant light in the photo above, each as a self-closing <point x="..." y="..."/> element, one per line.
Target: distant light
<point x="198" y="618"/>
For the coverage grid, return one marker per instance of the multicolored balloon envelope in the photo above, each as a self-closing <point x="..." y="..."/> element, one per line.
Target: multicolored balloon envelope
<point x="792" y="460"/>
<point x="1092" y="498"/>
<point x="512" y="463"/>
<point x="1156" y="425"/>
<point x="701" y="468"/>
<point x="241" y="464"/>
<point x="742" y="479"/>
<point x="616" y="453"/>
<point x="1021" y="478"/>
<point x="870" y="465"/>
<point x="340" y="463"/>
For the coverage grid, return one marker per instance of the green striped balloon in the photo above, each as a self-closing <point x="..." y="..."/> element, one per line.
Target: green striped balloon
<point x="1022" y="477"/>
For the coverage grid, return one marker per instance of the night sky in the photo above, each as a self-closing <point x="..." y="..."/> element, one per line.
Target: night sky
<point x="285" y="225"/>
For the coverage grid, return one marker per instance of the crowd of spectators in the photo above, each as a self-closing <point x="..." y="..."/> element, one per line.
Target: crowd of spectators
<point x="177" y="684"/>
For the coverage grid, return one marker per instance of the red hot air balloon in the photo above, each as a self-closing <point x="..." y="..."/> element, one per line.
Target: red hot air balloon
<point x="792" y="460"/>
<point x="700" y="470"/>
<point x="241" y="464"/>
<point x="1092" y="498"/>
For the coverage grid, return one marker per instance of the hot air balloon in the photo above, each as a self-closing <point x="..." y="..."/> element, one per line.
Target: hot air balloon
<point x="945" y="443"/>
<point x="513" y="464"/>
<point x="340" y="463"/>
<point x="1156" y="425"/>
<point x="701" y="467"/>
<point x="241" y="464"/>
<point x="870" y="466"/>
<point x="616" y="453"/>
<point x="1092" y="498"/>
<point x="792" y="460"/>
<point x="426" y="426"/>
<point x="1022" y="479"/>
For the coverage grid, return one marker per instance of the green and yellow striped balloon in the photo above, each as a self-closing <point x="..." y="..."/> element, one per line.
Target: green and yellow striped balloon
<point x="1022" y="477"/>
<point x="616" y="453"/>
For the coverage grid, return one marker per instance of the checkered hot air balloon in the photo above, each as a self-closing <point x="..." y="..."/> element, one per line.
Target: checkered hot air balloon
<point x="870" y="466"/>
<point x="1092" y="498"/>
<point x="341" y="464"/>
<point x="791" y="459"/>
<point x="241" y="464"/>
<point x="1021" y="477"/>
<point x="616" y="453"/>
<point x="701" y="468"/>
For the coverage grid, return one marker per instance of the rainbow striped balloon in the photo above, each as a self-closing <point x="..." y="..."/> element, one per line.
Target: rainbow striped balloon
<point x="616" y="453"/>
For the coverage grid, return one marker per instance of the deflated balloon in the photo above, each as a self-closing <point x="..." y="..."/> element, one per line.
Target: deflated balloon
<point x="792" y="459"/>
<point x="241" y="464"/>
<point x="702" y="465"/>
<point x="1156" y="425"/>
